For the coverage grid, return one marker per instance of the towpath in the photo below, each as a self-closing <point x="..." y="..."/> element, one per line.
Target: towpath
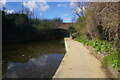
<point x="78" y="62"/>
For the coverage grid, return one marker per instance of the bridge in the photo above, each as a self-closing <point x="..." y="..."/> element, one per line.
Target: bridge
<point x="63" y="25"/>
<point x="61" y="30"/>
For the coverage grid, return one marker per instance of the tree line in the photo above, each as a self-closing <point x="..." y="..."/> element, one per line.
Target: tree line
<point x="20" y="28"/>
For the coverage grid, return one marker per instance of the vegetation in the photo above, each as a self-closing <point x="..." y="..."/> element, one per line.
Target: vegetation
<point x="80" y="27"/>
<point x="102" y="21"/>
<point x="99" y="28"/>
<point x="112" y="59"/>
<point x="19" y="28"/>
<point x="98" y="45"/>
<point x="71" y="30"/>
<point x="119" y="76"/>
<point x="103" y="46"/>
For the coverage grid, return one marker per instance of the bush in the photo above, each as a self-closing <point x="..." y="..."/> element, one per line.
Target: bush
<point x="81" y="27"/>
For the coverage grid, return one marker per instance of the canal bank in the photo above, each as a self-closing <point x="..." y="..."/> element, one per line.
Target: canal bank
<point x="78" y="62"/>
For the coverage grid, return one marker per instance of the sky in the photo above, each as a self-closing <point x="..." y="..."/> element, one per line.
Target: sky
<point x="44" y="10"/>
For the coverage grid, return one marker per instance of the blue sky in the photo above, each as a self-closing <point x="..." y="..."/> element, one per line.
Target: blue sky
<point x="50" y="10"/>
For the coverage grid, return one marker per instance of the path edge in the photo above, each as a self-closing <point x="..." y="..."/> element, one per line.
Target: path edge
<point x="66" y="50"/>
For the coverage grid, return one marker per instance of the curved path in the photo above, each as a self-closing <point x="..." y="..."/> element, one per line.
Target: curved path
<point x="78" y="62"/>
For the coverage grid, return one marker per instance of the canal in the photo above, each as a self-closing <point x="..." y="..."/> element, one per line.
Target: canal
<point x="32" y="60"/>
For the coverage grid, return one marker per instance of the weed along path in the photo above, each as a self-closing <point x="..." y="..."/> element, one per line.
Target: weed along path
<point x="78" y="62"/>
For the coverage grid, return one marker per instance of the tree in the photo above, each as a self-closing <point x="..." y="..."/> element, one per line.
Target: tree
<point x="57" y="20"/>
<point x="78" y="8"/>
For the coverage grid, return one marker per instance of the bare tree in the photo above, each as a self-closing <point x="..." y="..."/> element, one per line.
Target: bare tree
<point x="79" y="8"/>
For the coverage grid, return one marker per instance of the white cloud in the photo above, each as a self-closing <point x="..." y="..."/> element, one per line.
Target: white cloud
<point x="62" y="5"/>
<point x="2" y="3"/>
<point x="73" y="4"/>
<point x="43" y="6"/>
<point x="30" y="5"/>
<point x="10" y="11"/>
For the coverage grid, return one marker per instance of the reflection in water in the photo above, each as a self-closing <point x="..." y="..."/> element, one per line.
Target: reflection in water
<point x="36" y="64"/>
<point x="40" y="61"/>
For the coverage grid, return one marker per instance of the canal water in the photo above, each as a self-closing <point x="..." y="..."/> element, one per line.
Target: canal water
<point x="32" y="60"/>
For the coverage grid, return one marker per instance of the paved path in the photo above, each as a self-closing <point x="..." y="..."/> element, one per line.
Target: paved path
<point x="78" y="63"/>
